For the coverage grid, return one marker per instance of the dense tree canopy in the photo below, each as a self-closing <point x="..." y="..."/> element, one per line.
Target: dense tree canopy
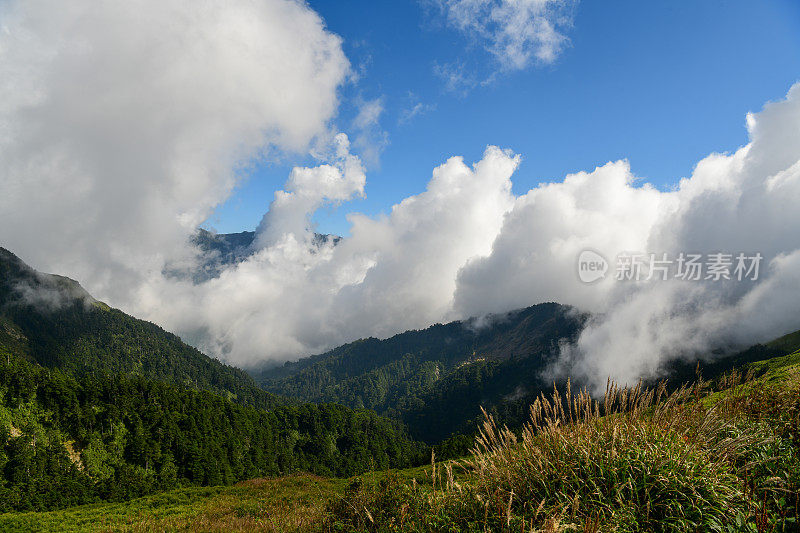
<point x="98" y="405"/>
<point x="70" y="440"/>
<point x="52" y="321"/>
<point x="435" y="380"/>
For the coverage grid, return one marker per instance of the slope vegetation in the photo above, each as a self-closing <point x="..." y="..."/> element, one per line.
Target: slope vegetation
<point x="96" y="405"/>
<point x="52" y="321"/>
<point x="712" y="456"/>
<point x="436" y="379"/>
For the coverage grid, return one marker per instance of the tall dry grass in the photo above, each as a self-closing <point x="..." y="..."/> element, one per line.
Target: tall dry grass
<point x="636" y="460"/>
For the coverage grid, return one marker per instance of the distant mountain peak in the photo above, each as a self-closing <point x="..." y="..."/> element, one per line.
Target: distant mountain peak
<point x="221" y="250"/>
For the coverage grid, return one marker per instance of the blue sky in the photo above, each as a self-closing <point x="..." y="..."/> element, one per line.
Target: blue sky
<point x="658" y="83"/>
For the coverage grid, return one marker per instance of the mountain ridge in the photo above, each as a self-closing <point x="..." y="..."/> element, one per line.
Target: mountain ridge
<point x="221" y="250"/>
<point x="52" y="321"/>
<point x="96" y="405"/>
<point x="436" y="379"/>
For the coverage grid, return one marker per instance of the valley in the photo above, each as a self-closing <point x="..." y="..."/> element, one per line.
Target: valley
<point x="110" y="422"/>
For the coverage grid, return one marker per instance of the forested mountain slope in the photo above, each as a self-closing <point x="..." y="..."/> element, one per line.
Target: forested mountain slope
<point x="67" y="441"/>
<point x="435" y="379"/>
<point x="51" y="320"/>
<point x="96" y="405"/>
<point x="762" y="415"/>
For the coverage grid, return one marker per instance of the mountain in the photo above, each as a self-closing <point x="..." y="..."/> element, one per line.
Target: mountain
<point x="96" y="405"/>
<point x="52" y="321"/>
<point x="435" y="380"/>
<point x="67" y="440"/>
<point x="232" y="247"/>
<point x="220" y="250"/>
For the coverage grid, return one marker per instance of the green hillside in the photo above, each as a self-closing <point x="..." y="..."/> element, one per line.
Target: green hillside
<point x="96" y="405"/>
<point x="436" y="379"/>
<point x="109" y="423"/>
<point x="68" y="440"/>
<point x="713" y="456"/>
<point x="51" y="320"/>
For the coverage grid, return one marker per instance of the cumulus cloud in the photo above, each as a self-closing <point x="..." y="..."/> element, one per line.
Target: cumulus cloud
<point x="393" y="273"/>
<point x="534" y="256"/>
<point x="732" y="203"/>
<point x="123" y="124"/>
<point x="307" y="190"/>
<point x="516" y="32"/>
<point x="467" y="246"/>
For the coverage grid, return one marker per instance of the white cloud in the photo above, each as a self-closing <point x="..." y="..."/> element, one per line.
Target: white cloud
<point x="307" y="190"/>
<point x="370" y="139"/>
<point x="456" y="78"/>
<point x="533" y="258"/>
<point x="741" y="202"/>
<point x="122" y="124"/>
<point x="394" y="273"/>
<point x="369" y="114"/>
<point x="516" y="32"/>
<point x="467" y="246"/>
<point x="416" y="110"/>
<point x="413" y="109"/>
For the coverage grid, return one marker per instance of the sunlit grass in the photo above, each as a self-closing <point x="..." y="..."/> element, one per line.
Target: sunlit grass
<point x="291" y="503"/>
<point x="708" y="457"/>
<point x="638" y="460"/>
